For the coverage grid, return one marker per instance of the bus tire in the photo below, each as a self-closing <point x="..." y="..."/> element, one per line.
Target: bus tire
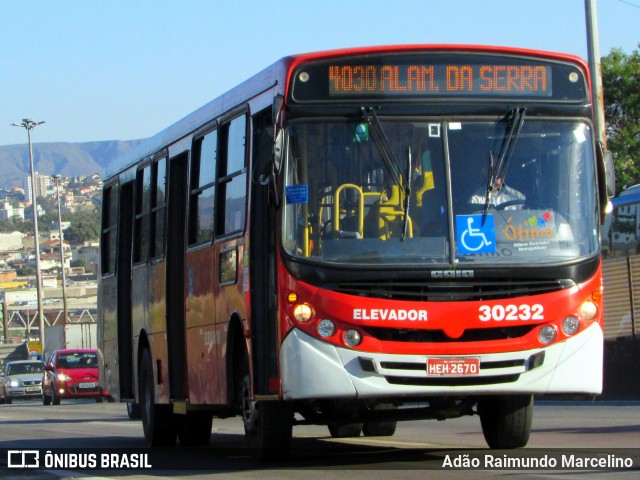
<point x="506" y="420"/>
<point x="157" y="420"/>
<point x="195" y="429"/>
<point x="380" y="428"/>
<point x="133" y="411"/>
<point x="344" y="430"/>
<point x="268" y="426"/>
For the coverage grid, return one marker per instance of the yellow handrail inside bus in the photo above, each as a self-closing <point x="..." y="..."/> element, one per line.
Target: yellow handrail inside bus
<point x="391" y="211"/>
<point x="427" y="184"/>
<point x="337" y="211"/>
<point x="307" y="226"/>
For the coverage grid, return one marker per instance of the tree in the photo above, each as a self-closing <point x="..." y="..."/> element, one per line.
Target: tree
<point x="85" y="226"/>
<point x="26" y="271"/>
<point x="621" y="84"/>
<point x="14" y="224"/>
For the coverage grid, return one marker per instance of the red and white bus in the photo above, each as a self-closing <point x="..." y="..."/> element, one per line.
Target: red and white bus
<point x="358" y="237"/>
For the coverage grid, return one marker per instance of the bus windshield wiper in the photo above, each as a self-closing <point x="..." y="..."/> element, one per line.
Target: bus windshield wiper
<point x="407" y="196"/>
<point x="498" y="169"/>
<point x="381" y="140"/>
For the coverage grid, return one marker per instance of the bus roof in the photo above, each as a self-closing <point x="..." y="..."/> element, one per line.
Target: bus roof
<point x="275" y="76"/>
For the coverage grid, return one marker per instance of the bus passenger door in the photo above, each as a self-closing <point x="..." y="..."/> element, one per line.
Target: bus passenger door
<point x="264" y="331"/>
<point x="175" y="280"/>
<point x="123" y="272"/>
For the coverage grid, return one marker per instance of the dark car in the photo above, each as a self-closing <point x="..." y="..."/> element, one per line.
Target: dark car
<point x="71" y="374"/>
<point x="21" y="379"/>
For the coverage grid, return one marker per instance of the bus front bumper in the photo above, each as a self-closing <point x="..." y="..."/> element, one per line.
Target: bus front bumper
<point x="312" y="369"/>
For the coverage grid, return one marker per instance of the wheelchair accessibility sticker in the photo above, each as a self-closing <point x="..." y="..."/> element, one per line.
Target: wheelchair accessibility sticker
<point x="473" y="236"/>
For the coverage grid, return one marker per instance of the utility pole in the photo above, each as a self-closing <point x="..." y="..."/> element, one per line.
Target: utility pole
<point x="30" y="124"/>
<point x="58" y="181"/>
<point x="593" y="49"/>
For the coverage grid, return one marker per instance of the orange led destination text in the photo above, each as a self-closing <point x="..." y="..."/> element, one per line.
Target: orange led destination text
<point x="430" y="79"/>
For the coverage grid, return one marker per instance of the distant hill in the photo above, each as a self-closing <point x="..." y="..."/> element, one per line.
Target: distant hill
<point x="66" y="159"/>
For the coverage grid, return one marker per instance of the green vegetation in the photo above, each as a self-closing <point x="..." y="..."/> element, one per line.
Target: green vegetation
<point x="621" y="84"/>
<point x="85" y="225"/>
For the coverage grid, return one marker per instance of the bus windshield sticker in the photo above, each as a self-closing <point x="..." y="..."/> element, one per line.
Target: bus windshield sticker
<point x="535" y="232"/>
<point x="297" y="194"/>
<point x="474" y="235"/>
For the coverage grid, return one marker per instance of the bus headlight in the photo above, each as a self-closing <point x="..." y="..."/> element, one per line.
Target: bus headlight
<point x="588" y="310"/>
<point x="547" y="334"/>
<point x="302" y="312"/>
<point x="326" y="328"/>
<point x="570" y="325"/>
<point x="352" y="338"/>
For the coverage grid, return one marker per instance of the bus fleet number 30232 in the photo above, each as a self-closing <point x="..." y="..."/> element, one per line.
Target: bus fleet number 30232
<point x="499" y="313"/>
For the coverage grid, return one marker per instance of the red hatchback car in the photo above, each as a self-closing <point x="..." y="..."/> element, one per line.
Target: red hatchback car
<point x="71" y="374"/>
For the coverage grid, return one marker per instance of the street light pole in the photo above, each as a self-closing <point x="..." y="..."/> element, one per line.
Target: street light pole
<point x="30" y="124"/>
<point x="58" y="180"/>
<point x="593" y="51"/>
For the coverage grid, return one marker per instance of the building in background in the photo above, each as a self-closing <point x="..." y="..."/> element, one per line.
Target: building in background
<point x="42" y="185"/>
<point x="7" y="211"/>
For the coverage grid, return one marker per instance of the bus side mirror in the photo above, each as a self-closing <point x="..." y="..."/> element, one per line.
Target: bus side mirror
<point x="278" y="142"/>
<point x="606" y="178"/>
<point x="610" y="173"/>
<point x="278" y="102"/>
<point x="278" y="136"/>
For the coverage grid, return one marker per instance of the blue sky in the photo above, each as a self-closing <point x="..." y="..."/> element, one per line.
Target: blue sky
<point x="121" y="70"/>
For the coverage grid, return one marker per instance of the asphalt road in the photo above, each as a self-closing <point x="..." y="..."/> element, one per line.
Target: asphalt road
<point x="420" y="449"/>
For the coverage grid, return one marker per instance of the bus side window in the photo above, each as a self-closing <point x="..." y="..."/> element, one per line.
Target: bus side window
<point x="109" y="230"/>
<point x="158" y="198"/>
<point x="141" y="225"/>
<point x="202" y="190"/>
<point x="231" y="198"/>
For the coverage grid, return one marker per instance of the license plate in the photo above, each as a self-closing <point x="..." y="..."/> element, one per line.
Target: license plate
<point x="87" y="385"/>
<point x="33" y="389"/>
<point x="453" y="366"/>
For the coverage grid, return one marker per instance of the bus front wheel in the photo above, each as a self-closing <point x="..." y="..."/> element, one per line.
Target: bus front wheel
<point x="268" y="426"/>
<point x="157" y="420"/>
<point x="506" y="420"/>
<point x="380" y="428"/>
<point x="344" y="430"/>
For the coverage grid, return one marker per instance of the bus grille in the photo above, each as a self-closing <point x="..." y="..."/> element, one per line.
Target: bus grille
<point x="452" y="381"/>
<point x="438" y="336"/>
<point x="442" y="291"/>
<point x="502" y="371"/>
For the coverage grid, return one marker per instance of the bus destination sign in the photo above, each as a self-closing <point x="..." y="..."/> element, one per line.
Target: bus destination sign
<point x="441" y="80"/>
<point x="438" y="75"/>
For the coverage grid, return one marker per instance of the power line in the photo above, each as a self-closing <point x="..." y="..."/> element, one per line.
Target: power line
<point x="629" y="3"/>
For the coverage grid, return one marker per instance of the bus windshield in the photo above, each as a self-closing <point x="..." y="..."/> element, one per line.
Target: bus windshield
<point x="344" y="204"/>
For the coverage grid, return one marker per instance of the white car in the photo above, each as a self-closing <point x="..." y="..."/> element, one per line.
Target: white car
<point x="21" y="379"/>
